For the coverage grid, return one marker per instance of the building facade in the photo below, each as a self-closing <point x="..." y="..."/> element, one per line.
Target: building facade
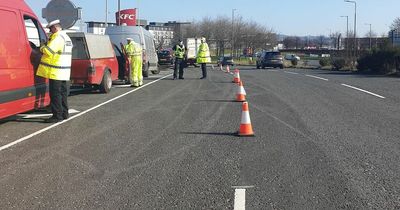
<point x="163" y="34"/>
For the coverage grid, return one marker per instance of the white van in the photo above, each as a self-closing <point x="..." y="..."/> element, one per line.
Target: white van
<point x="118" y="35"/>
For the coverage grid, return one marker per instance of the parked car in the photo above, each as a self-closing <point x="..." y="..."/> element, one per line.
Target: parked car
<point x="20" y="38"/>
<point x="165" y="57"/>
<point x="291" y="57"/>
<point x="93" y="61"/>
<point x="118" y="35"/>
<point x="225" y="60"/>
<point x="270" y="59"/>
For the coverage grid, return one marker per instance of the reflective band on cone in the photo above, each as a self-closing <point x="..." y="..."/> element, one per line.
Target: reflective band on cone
<point x="241" y="93"/>
<point x="245" y="125"/>
<point x="236" y="76"/>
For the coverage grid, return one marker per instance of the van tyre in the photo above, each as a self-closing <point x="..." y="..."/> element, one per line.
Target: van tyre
<point x="106" y="82"/>
<point x="155" y="71"/>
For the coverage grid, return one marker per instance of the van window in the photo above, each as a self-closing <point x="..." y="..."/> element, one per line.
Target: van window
<point x="35" y="34"/>
<point x="79" y="51"/>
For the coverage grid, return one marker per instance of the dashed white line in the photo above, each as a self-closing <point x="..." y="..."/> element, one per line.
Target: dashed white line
<point x="308" y="75"/>
<point x="289" y="72"/>
<point x="365" y="91"/>
<point x="75" y="116"/>
<point x="240" y="199"/>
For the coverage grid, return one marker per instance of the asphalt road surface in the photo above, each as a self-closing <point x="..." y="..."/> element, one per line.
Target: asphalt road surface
<point x="323" y="140"/>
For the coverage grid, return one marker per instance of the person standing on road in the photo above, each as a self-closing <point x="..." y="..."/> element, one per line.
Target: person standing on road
<point x="203" y="57"/>
<point x="134" y="53"/>
<point x="179" y="51"/>
<point x="55" y="65"/>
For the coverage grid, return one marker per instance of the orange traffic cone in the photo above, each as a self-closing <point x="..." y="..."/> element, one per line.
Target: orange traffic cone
<point x="245" y="125"/>
<point x="241" y="93"/>
<point x="236" y="76"/>
<point x="228" y="69"/>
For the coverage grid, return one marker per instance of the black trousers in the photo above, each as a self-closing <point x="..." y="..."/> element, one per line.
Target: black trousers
<point x="204" y="69"/>
<point x="179" y="66"/>
<point x="58" y="98"/>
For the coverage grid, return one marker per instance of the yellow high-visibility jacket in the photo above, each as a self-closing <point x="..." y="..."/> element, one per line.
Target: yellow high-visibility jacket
<point x="133" y="49"/>
<point x="203" y="55"/>
<point x="56" y="60"/>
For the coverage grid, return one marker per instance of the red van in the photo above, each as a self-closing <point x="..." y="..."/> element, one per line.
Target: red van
<point x="20" y="37"/>
<point x="94" y="62"/>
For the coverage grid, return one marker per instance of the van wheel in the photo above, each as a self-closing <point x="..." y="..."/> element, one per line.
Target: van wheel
<point x="145" y="70"/>
<point x="106" y="83"/>
<point x="155" y="71"/>
<point x="257" y="66"/>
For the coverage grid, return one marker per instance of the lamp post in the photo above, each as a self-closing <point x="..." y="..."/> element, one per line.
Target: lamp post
<point x="355" y="24"/>
<point x="233" y="32"/>
<point x="370" y="35"/>
<point x="355" y="30"/>
<point x="106" y="13"/>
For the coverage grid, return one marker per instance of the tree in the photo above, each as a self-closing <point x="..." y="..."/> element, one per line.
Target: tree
<point x="396" y="24"/>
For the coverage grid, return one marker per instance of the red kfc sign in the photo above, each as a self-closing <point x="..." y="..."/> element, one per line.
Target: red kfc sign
<point x="127" y="16"/>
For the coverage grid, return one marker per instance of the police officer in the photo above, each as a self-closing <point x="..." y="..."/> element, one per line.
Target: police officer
<point x="179" y="51"/>
<point x="134" y="52"/>
<point x="203" y="57"/>
<point x="55" y="65"/>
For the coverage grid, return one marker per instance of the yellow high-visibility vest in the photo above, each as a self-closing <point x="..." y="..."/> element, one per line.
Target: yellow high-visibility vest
<point x="203" y="55"/>
<point x="56" y="59"/>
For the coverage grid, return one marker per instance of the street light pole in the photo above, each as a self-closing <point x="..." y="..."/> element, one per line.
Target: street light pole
<point x="106" y="13"/>
<point x="233" y="32"/>
<point x="119" y="12"/>
<point x="355" y="26"/>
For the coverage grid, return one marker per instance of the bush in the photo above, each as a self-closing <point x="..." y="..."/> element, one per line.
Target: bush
<point x="294" y="62"/>
<point x="338" y="63"/>
<point x="380" y="61"/>
<point x="324" y="62"/>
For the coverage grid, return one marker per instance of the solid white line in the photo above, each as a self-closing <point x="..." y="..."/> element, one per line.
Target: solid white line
<point x="240" y="199"/>
<point x="30" y="116"/>
<point x="75" y="116"/>
<point x="289" y="72"/>
<point x="359" y="89"/>
<point x="307" y="75"/>
<point x="273" y="70"/>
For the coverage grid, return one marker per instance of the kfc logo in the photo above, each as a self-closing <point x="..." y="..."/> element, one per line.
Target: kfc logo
<point x="127" y="16"/>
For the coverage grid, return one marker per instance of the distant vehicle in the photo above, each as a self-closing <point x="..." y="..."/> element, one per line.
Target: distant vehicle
<point x="270" y="59"/>
<point x="118" y="35"/>
<point x="292" y="57"/>
<point x="20" y="38"/>
<point x="225" y="60"/>
<point x="165" y="57"/>
<point x="93" y="61"/>
<point x="192" y="45"/>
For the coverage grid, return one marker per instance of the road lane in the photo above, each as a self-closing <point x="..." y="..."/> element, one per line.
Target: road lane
<point x="172" y="145"/>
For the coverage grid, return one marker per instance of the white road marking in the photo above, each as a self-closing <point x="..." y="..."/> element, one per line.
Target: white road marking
<point x="75" y="116"/>
<point x="289" y="72"/>
<point x="359" y="89"/>
<point x="230" y="73"/>
<point x="307" y="75"/>
<point x="121" y="86"/>
<point x="273" y="70"/>
<point x="30" y="116"/>
<point x="240" y="199"/>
